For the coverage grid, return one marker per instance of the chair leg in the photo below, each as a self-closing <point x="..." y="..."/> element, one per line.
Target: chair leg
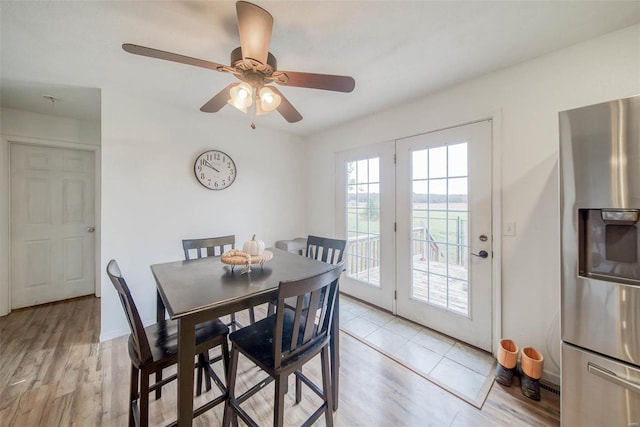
<point x="278" y="410"/>
<point x="252" y="316"/>
<point x="298" y="387"/>
<point x="159" y="389"/>
<point x="233" y="322"/>
<point x="229" y="413"/>
<point x="327" y="391"/>
<point x="225" y="359"/>
<point x="144" y="399"/>
<point x="200" y="370"/>
<point x="133" y="394"/>
<point x="207" y="378"/>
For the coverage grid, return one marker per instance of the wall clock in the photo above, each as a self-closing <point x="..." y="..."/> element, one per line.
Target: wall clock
<point x="215" y="170"/>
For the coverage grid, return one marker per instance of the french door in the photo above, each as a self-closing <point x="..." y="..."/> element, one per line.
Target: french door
<point x="443" y="188"/>
<point x="365" y="215"/>
<point x="416" y="213"/>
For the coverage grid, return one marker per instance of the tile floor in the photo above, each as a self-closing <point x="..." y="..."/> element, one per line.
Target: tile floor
<point x="457" y="367"/>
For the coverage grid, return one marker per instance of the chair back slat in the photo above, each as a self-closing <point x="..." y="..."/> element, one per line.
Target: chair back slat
<point x="310" y="328"/>
<point x="325" y="249"/>
<point x="208" y="246"/>
<point x="296" y="321"/>
<point x="312" y="320"/>
<point x="138" y="334"/>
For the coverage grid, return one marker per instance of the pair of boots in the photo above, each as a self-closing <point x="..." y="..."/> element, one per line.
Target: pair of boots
<point x="531" y="364"/>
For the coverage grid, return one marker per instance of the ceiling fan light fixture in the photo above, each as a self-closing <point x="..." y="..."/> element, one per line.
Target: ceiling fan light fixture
<point x="241" y="96"/>
<point x="268" y="100"/>
<point x="255" y="66"/>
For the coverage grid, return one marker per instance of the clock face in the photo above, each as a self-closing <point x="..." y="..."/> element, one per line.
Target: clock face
<point x="215" y="170"/>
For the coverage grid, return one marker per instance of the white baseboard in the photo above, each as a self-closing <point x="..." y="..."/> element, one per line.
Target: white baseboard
<point x="109" y="335"/>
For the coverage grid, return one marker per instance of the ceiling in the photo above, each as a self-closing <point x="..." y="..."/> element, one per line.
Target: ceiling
<point x="397" y="51"/>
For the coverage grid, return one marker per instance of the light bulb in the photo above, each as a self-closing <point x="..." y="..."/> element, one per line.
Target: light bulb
<point x="269" y="100"/>
<point x="241" y="96"/>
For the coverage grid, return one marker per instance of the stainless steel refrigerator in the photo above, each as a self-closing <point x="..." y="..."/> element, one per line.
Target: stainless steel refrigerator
<point x="600" y="240"/>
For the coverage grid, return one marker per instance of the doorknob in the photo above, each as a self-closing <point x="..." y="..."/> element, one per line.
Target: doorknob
<point x="91" y="229"/>
<point x="481" y="254"/>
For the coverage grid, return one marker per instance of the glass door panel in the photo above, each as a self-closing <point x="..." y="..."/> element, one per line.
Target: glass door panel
<point x="440" y="227"/>
<point x="365" y="213"/>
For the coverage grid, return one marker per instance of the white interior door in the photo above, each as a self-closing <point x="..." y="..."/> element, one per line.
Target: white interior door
<point x="365" y="215"/>
<point x="444" y="217"/>
<point x="52" y="220"/>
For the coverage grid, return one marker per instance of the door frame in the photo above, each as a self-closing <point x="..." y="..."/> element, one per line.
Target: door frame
<point x="5" y="208"/>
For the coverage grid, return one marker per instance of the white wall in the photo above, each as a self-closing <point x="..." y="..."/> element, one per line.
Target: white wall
<point x="151" y="199"/>
<point x="33" y="128"/>
<point x="529" y="97"/>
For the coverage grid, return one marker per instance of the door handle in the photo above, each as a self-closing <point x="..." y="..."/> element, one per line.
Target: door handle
<point x="612" y="377"/>
<point x="91" y="229"/>
<point x="481" y="254"/>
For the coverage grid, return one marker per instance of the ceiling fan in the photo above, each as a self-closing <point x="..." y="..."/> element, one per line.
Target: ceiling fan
<point x="256" y="67"/>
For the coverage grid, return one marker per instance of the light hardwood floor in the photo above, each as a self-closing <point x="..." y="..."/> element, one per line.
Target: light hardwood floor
<point x="54" y="372"/>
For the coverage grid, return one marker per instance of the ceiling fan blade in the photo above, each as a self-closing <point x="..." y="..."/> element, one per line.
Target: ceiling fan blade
<point x="168" y="56"/>
<point x="218" y="101"/>
<point x="285" y="108"/>
<point x="254" y="25"/>
<point x="318" y="81"/>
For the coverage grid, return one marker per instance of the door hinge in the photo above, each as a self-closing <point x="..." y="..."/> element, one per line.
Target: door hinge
<point x="394" y="159"/>
<point x="395" y="295"/>
<point x="395" y="227"/>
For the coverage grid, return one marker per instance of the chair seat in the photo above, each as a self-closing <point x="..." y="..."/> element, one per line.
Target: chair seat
<point x="256" y="341"/>
<point x="163" y="337"/>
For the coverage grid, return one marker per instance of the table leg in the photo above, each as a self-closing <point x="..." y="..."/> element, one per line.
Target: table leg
<point x="160" y="308"/>
<point x="160" y="316"/>
<point x="335" y="352"/>
<point x="186" y="353"/>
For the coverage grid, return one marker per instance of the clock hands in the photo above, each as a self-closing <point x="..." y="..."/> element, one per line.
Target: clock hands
<point x="206" y="163"/>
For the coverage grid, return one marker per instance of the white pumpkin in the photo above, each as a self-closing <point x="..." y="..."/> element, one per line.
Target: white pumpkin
<point x="253" y="247"/>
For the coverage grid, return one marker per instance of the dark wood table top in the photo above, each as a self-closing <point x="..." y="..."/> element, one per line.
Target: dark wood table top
<point x="187" y="287"/>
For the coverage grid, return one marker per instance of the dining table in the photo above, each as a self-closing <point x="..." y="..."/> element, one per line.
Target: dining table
<point x="194" y="291"/>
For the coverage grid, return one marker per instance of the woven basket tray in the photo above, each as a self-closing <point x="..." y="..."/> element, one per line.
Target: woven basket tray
<point x="241" y="260"/>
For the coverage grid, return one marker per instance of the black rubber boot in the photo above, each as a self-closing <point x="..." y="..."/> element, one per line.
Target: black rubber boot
<point x="505" y="376"/>
<point x="530" y="386"/>
<point x="531" y="368"/>
<point x="507" y="358"/>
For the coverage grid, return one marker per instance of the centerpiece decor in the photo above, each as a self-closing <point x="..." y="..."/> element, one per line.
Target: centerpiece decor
<point x="252" y="253"/>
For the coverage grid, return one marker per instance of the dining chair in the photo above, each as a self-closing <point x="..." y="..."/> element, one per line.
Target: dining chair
<point x="215" y="246"/>
<point x="325" y="249"/>
<point x="155" y="347"/>
<point x="282" y="343"/>
<point x="322" y="249"/>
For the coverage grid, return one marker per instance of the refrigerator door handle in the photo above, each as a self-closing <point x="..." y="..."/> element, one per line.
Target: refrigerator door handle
<point x="612" y="377"/>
